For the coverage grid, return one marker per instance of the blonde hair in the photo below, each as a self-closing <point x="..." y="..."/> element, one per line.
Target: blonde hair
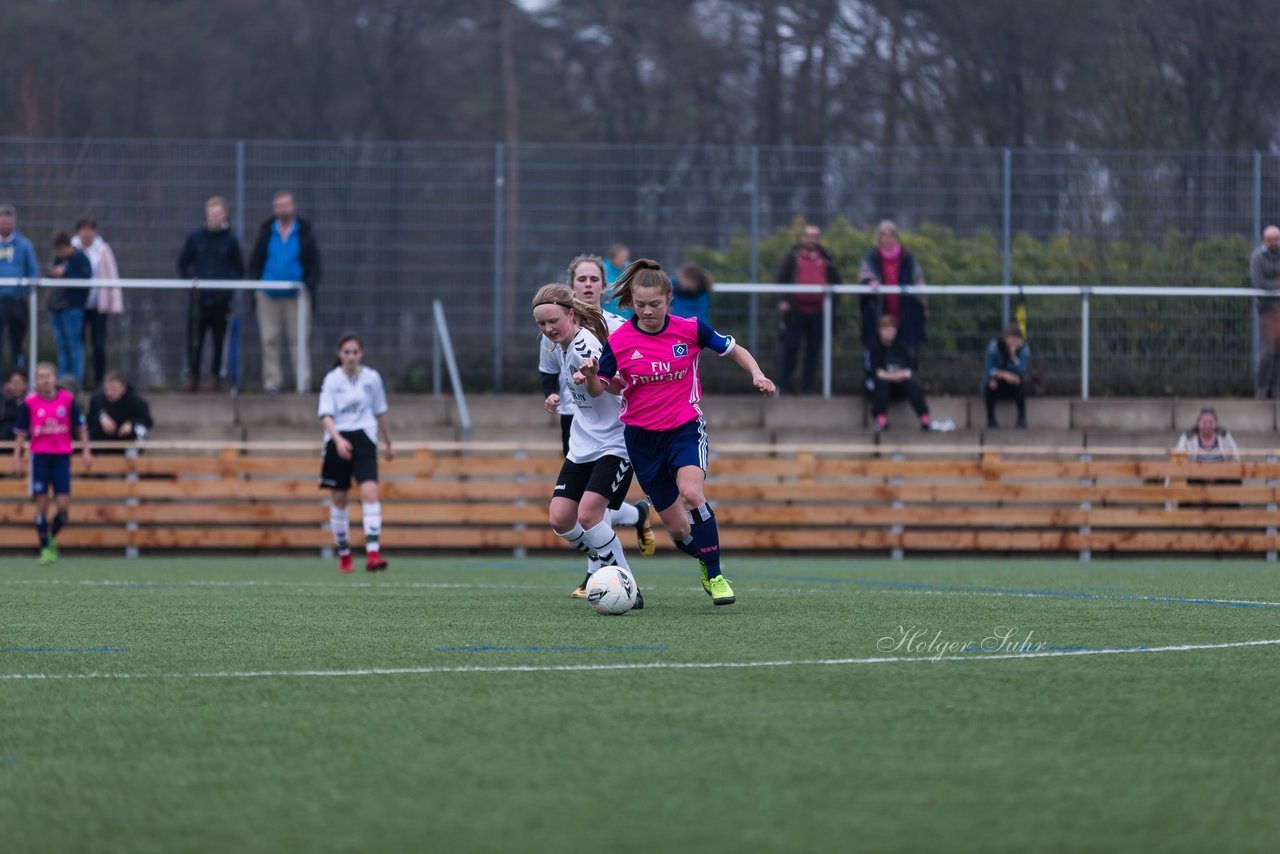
<point x="891" y="226"/>
<point x="587" y="316"/>
<point x="642" y="273"/>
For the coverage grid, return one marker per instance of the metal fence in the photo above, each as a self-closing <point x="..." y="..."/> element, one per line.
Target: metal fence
<point x="481" y="226"/>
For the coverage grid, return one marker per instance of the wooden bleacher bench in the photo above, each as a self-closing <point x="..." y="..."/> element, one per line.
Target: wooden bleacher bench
<point x="483" y="496"/>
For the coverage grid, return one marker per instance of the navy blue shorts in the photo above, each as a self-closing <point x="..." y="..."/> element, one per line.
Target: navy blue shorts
<point x="656" y="456"/>
<point x="50" y="471"/>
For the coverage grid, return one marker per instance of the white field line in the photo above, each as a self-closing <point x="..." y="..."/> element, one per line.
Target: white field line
<point x="812" y="590"/>
<point x="655" y="665"/>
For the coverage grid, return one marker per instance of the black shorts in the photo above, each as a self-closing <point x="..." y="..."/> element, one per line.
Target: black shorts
<point x="336" y="473"/>
<point x="607" y="476"/>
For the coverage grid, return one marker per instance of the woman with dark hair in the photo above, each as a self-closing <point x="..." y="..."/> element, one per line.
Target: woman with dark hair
<point x="353" y="410"/>
<point x="1004" y="376"/>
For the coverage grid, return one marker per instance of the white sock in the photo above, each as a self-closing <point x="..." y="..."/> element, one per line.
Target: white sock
<point x="604" y="546"/>
<point x="372" y="525"/>
<point x="574" y="538"/>
<point x="627" y="514"/>
<point x="340" y="525"/>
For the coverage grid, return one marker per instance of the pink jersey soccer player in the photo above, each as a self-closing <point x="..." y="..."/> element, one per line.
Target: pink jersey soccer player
<point x="652" y="361"/>
<point x="48" y="418"/>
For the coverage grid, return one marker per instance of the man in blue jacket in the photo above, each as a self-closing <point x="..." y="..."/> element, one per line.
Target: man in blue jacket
<point x="17" y="261"/>
<point x="285" y="251"/>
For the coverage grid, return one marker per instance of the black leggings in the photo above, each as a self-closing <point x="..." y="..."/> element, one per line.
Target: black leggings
<point x="886" y="391"/>
<point x="205" y="319"/>
<point x="1005" y="391"/>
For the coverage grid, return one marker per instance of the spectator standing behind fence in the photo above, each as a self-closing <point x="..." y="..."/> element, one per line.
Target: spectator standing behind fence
<point x="800" y="315"/>
<point x="1264" y="274"/>
<point x="17" y="261"/>
<point x="691" y="293"/>
<point x="889" y="263"/>
<point x="117" y="412"/>
<point x="211" y="254"/>
<point x="615" y="261"/>
<point x="1005" y="373"/>
<point x="889" y="376"/>
<point x="285" y="251"/>
<point x="66" y="306"/>
<point x="1207" y="441"/>
<point x="15" y="391"/>
<point x="103" y="301"/>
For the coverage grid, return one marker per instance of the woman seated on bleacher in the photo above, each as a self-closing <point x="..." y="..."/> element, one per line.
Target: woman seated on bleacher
<point x="1207" y="441"/>
<point x="117" y="413"/>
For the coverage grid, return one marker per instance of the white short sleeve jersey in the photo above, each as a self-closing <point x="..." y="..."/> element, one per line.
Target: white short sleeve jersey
<point x="549" y="363"/>
<point x="613" y="321"/>
<point x="354" y="403"/>
<point x="596" y="430"/>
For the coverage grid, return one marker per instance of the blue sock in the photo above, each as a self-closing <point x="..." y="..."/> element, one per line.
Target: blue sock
<point x="59" y="522"/>
<point x="706" y="535"/>
<point x="687" y="546"/>
<point x="42" y="530"/>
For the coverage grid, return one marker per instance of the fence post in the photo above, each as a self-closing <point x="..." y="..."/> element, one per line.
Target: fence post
<point x="1257" y="235"/>
<point x="300" y="353"/>
<point x="499" y="213"/>
<point x="1084" y="343"/>
<point x="828" y="301"/>
<point x="239" y="298"/>
<point x="33" y="332"/>
<point x="753" y="310"/>
<point x="1007" y="228"/>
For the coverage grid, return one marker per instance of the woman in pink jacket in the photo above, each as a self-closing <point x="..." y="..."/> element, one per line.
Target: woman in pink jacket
<point x="103" y="301"/>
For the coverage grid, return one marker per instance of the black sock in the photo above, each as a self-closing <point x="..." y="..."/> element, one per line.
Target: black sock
<point x="706" y="534"/>
<point x="59" y="522"/>
<point x="42" y="530"/>
<point x="687" y="546"/>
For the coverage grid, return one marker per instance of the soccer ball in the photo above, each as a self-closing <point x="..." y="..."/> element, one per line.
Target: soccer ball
<point x="611" y="590"/>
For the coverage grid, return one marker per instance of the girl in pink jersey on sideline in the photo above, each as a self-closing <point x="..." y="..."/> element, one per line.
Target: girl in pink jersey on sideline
<point x="47" y="420"/>
<point x="652" y="361"/>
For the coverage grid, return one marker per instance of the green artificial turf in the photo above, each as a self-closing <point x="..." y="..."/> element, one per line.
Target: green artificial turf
<point x="221" y="713"/>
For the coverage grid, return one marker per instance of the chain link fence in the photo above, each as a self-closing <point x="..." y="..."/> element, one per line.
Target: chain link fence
<point x="481" y="227"/>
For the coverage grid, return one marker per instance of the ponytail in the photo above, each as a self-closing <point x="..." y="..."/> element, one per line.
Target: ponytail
<point x="641" y="273"/>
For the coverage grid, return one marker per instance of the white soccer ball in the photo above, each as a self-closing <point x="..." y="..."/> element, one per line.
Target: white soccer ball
<point x="611" y="590"/>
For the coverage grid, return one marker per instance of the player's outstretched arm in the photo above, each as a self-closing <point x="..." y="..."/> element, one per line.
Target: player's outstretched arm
<point x="742" y="357"/>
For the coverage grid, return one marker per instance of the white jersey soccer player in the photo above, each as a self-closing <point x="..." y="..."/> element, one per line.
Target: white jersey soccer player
<point x="353" y="410"/>
<point x="596" y="473"/>
<point x="596" y="430"/>
<point x="549" y="366"/>
<point x="353" y="402"/>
